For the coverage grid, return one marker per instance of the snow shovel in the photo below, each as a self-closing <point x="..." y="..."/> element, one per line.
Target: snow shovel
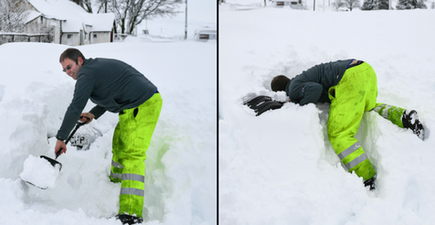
<point x="53" y="161"/>
<point x="261" y="104"/>
<point x="41" y="178"/>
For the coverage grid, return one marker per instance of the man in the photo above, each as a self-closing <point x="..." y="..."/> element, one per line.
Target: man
<point x="351" y="88"/>
<point x="116" y="87"/>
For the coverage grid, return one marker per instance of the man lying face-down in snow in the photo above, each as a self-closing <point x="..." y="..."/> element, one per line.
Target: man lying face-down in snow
<point x="350" y="86"/>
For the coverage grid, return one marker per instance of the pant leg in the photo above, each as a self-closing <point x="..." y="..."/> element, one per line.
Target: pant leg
<point x="116" y="167"/>
<point x="391" y="113"/>
<point x="355" y="94"/>
<point x="134" y="131"/>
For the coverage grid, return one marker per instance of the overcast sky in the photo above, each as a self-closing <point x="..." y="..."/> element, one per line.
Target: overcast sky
<point x="204" y="10"/>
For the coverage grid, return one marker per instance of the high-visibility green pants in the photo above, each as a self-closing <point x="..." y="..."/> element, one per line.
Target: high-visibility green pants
<point x="391" y="113"/>
<point x="355" y="93"/>
<point x="131" y="140"/>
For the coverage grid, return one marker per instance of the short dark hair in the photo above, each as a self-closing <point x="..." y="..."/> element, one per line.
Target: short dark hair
<point x="279" y="83"/>
<point x="71" y="53"/>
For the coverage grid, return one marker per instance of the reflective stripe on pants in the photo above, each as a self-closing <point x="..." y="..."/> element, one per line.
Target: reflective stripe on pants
<point x="349" y="161"/>
<point x="391" y="113"/>
<point x="131" y="140"/>
<point x="355" y="93"/>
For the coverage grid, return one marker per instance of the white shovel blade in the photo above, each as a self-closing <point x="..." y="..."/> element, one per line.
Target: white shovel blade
<point x="39" y="172"/>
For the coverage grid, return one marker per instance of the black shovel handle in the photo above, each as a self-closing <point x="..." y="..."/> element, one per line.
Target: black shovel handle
<point x="79" y="124"/>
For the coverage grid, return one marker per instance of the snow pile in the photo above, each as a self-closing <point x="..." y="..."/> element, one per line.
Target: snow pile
<point x="180" y="184"/>
<point x="279" y="167"/>
<point x="75" y="180"/>
<point x="39" y="172"/>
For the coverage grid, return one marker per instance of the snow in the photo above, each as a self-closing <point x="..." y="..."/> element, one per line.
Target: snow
<point x="279" y="167"/>
<point x="181" y="161"/>
<point x="75" y="180"/>
<point x="74" y="16"/>
<point x="32" y="14"/>
<point x="59" y="9"/>
<point x="39" y="172"/>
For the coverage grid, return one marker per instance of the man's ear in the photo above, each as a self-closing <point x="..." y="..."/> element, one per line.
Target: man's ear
<point x="80" y="60"/>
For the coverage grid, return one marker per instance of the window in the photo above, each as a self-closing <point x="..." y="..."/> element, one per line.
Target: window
<point x="69" y="36"/>
<point x="95" y="35"/>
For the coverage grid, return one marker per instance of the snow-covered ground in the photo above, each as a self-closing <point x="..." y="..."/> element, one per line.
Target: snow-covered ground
<point x="279" y="168"/>
<point x="181" y="164"/>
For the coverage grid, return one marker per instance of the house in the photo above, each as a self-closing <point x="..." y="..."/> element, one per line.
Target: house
<point x="205" y="33"/>
<point x="294" y="4"/>
<point x="69" y="23"/>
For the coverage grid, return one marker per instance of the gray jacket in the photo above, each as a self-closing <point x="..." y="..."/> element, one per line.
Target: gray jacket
<point x="111" y="84"/>
<point x="312" y="85"/>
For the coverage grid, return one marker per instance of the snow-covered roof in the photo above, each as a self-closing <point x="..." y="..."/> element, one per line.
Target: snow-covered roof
<point x="72" y="25"/>
<point x="75" y="17"/>
<point x="56" y="9"/>
<point x="102" y="22"/>
<point x="32" y="15"/>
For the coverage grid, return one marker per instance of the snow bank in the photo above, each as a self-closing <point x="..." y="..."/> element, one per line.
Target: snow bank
<point x="279" y="168"/>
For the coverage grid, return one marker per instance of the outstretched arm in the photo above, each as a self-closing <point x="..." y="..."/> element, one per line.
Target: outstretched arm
<point x="311" y="93"/>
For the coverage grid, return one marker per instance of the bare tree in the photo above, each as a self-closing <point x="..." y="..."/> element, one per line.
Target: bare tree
<point x="338" y="4"/>
<point x="85" y="4"/>
<point x="352" y="4"/>
<point x="375" y="5"/>
<point x="130" y="13"/>
<point x="411" y="4"/>
<point x="102" y="6"/>
<point x="13" y="15"/>
<point x="78" y="2"/>
<point x="349" y="4"/>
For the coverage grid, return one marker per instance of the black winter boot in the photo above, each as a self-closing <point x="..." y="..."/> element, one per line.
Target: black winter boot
<point x="410" y="120"/>
<point x="371" y="183"/>
<point x="127" y="219"/>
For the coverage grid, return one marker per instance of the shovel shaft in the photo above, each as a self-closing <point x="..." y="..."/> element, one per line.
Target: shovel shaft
<point x="79" y="124"/>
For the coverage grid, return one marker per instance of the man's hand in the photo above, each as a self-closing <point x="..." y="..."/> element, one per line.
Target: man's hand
<point x="60" y="145"/>
<point x="88" y="115"/>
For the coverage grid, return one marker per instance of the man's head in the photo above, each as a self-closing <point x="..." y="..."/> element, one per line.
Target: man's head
<point x="279" y="83"/>
<point x="71" y="61"/>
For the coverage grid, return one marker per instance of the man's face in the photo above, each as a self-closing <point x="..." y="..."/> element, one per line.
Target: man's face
<point x="71" y="68"/>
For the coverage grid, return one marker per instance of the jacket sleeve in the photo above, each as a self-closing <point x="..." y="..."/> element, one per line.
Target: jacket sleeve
<point x="98" y="111"/>
<point x="311" y="93"/>
<point x="82" y="92"/>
